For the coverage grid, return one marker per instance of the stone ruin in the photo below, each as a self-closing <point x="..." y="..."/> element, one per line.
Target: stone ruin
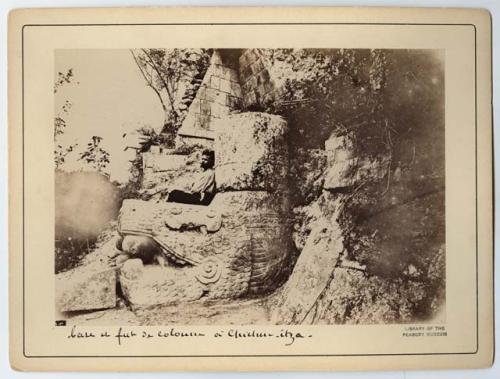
<point x="240" y="244"/>
<point x="235" y="246"/>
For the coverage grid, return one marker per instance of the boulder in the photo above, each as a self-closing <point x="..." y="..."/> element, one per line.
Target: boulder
<point x="251" y="152"/>
<point x="84" y="288"/>
<point x="352" y="297"/>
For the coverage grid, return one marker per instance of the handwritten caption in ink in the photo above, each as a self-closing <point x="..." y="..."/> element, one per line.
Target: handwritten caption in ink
<point x="123" y="335"/>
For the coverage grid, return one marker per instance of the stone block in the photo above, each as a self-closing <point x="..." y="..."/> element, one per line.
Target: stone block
<point x="257" y="67"/>
<point x="221" y="98"/>
<point x="341" y="170"/>
<point x="205" y="108"/>
<point x="312" y="273"/>
<point x="148" y="285"/>
<point x="214" y="82"/>
<point x="339" y="149"/>
<point x="155" y="149"/>
<point x="255" y="235"/>
<point x="217" y="70"/>
<point x="85" y="288"/>
<point x="211" y="94"/>
<point x="215" y="110"/>
<point x="251" y="152"/>
<point x="340" y="174"/>
<point x="216" y="58"/>
<point x="159" y="168"/>
<point x="204" y="121"/>
<point x="225" y="85"/>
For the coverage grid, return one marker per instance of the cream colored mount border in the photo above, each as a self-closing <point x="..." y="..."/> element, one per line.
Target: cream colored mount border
<point x="47" y="348"/>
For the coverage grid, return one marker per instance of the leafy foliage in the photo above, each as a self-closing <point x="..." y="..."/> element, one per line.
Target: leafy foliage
<point x="60" y="154"/>
<point x="60" y="151"/>
<point x="149" y="137"/>
<point x="63" y="78"/>
<point x="95" y="156"/>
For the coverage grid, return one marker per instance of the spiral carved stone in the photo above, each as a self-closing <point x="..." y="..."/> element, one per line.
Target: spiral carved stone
<point x="208" y="271"/>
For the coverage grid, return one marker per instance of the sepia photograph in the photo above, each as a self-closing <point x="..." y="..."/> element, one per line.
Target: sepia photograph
<point x="253" y="186"/>
<point x="250" y="189"/>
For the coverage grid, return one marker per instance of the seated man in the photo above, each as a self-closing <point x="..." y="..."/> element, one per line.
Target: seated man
<point x="200" y="191"/>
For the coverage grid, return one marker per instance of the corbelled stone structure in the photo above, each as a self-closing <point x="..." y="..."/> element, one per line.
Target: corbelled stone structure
<point x="218" y="95"/>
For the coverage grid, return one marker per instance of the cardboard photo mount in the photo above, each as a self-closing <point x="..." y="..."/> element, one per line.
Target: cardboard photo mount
<point x="37" y="344"/>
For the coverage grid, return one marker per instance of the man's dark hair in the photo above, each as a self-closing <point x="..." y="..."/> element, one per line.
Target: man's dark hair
<point x="211" y="157"/>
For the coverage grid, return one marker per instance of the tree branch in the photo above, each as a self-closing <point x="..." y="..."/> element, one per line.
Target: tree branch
<point x="149" y="82"/>
<point x="160" y="76"/>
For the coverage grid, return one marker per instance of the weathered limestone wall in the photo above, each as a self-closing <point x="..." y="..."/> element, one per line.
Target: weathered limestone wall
<point x="264" y="72"/>
<point x="168" y="166"/>
<point x="159" y="166"/>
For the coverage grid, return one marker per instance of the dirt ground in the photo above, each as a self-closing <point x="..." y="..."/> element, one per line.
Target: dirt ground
<point x="238" y="312"/>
